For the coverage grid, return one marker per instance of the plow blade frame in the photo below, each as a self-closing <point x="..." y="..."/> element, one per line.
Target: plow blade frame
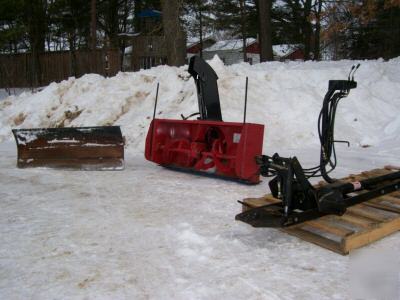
<point x="84" y="148"/>
<point x="223" y="149"/>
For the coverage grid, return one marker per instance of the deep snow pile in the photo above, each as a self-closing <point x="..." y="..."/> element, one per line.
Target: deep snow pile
<point x="286" y="97"/>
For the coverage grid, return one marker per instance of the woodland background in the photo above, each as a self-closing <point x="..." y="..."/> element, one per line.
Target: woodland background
<point x="343" y="29"/>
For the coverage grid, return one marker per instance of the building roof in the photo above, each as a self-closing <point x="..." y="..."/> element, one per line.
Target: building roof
<point x="281" y="50"/>
<point x="146" y="13"/>
<point x="228" y="45"/>
<point x="284" y="50"/>
<point x="190" y="42"/>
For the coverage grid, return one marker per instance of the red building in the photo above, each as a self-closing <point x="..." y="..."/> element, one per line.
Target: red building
<point x="281" y="52"/>
<point x="231" y="51"/>
<point x="193" y="47"/>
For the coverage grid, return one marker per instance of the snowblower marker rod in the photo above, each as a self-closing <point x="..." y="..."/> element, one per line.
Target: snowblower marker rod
<point x="245" y="101"/>
<point x="155" y="103"/>
<point x="154" y="113"/>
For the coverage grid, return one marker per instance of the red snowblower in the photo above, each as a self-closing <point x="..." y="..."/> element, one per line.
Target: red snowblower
<point x="207" y="145"/>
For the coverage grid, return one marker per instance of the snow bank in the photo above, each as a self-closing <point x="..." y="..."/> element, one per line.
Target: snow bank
<point x="286" y="97"/>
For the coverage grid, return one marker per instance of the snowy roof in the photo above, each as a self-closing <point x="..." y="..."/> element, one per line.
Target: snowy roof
<point x="195" y="40"/>
<point x="229" y="45"/>
<point x="284" y="49"/>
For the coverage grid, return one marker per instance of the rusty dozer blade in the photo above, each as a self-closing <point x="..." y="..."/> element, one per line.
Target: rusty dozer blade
<point x="83" y="148"/>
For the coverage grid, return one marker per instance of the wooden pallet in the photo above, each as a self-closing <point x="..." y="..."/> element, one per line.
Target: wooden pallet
<point x="361" y="225"/>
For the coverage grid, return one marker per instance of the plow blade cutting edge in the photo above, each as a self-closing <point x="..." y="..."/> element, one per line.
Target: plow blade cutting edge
<point x="84" y="148"/>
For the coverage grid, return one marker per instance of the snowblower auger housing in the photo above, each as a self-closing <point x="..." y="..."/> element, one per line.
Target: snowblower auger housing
<point x="208" y="144"/>
<point x="299" y="200"/>
<point x="85" y="148"/>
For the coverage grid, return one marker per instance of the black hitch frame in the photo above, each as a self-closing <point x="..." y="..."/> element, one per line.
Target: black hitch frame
<point x="300" y="201"/>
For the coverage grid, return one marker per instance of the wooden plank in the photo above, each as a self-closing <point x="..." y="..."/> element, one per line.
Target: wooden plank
<point x="389" y="198"/>
<point x="314" y="238"/>
<point x="330" y="227"/>
<point x="370" y="212"/>
<point x="256" y="202"/>
<point x="383" y="206"/>
<point x="367" y="237"/>
<point x="342" y="223"/>
<point x="395" y="195"/>
<point x="357" y="220"/>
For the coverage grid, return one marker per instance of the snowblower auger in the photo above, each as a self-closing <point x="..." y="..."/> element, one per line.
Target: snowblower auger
<point x="299" y="200"/>
<point x="85" y="148"/>
<point x="208" y="144"/>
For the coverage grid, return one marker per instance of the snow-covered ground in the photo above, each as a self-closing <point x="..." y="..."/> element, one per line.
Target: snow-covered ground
<point x="13" y="91"/>
<point x="151" y="233"/>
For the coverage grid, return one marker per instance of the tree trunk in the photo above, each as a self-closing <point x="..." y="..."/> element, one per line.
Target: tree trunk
<point x="112" y="24"/>
<point x="243" y="28"/>
<point x="317" y="39"/>
<point x="173" y="32"/>
<point x="37" y="26"/>
<point x="122" y="44"/>
<point x="93" y="23"/>
<point x="307" y="30"/>
<point x="265" y="31"/>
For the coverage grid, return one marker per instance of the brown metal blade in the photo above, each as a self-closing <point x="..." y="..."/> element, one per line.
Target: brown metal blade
<point x="86" y="148"/>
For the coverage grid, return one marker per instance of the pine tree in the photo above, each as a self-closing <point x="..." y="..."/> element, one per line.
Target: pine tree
<point x="12" y="26"/>
<point x="198" y="20"/>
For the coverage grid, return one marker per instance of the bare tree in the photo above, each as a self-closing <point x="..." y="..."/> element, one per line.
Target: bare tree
<point x="174" y="36"/>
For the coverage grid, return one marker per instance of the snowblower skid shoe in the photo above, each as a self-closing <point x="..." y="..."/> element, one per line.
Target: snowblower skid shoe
<point x="83" y="148"/>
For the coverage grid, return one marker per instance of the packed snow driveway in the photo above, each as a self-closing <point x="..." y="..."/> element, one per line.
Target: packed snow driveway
<point x="152" y="233"/>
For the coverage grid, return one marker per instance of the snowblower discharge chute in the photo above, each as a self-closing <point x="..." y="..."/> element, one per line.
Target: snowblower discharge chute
<point x="208" y="144"/>
<point x="85" y="148"/>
